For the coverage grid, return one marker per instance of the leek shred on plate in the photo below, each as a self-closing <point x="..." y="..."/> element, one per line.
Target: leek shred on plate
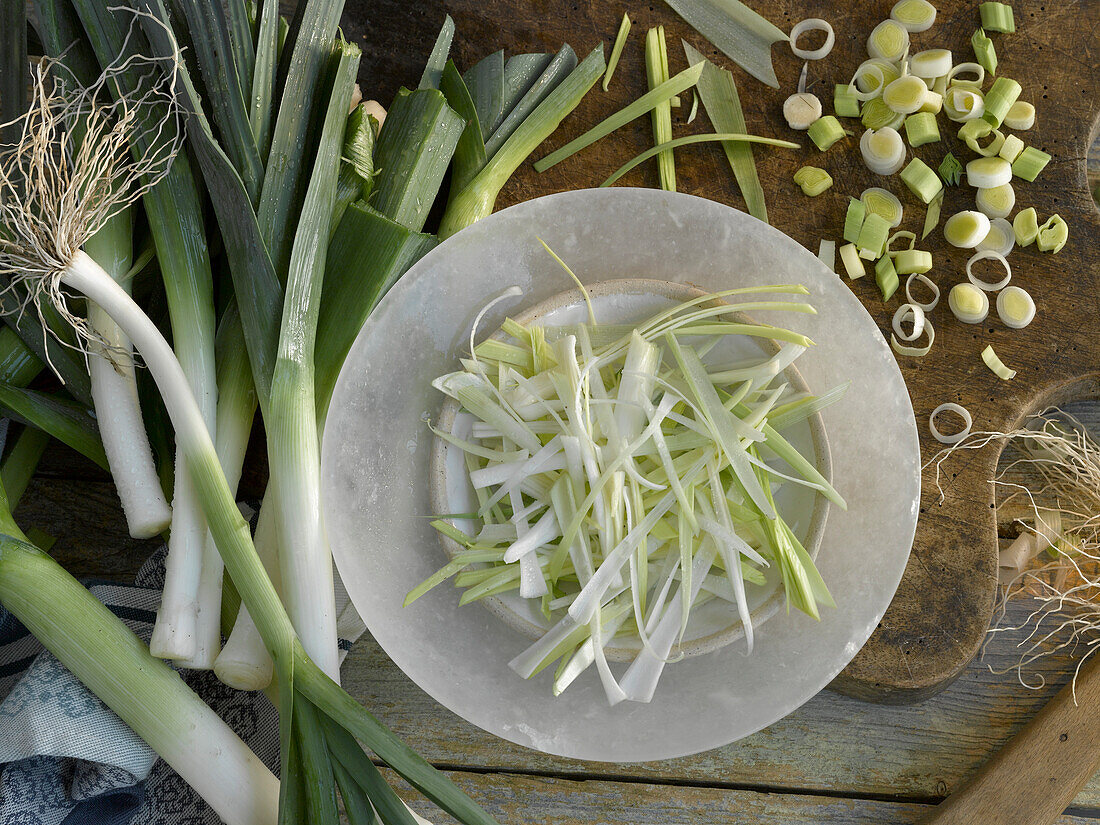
<point x="921" y="180"/>
<point x="826" y="253"/>
<point x="718" y="92"/>
<point x="1052" y="235"/>
<point x="1025" y="226"/>
<point x="813" y="180"/>
<point x="616" y="50"/>
<point x="1029" y="163"/>
<point x="1015" y="307"/>
<point x="635" y="481"/>
<point x="996" y="364"/>
<point x="968" y="303"/>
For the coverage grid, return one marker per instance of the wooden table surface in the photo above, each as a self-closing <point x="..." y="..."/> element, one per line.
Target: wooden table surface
<point x="835" y="760"/>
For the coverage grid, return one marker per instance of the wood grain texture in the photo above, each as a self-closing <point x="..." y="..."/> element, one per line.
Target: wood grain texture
<point x="513" y="798"/>
<point x="942" y="608"/>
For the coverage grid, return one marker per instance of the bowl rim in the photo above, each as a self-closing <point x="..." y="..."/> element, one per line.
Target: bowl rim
<point x="438" y="476"/>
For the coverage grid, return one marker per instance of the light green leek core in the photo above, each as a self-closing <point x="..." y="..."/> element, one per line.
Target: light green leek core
<point x="1029" y="163"/>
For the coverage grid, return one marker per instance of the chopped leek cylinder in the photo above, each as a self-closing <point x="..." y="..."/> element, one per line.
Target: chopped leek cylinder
<point x="825" y="132"/>
<point x="813" y="180"/>
<point x="871" y="77"/>
<point x="872" y="237"/>
<point x="889" y="40"/>
<point x="961" y="104"/>
<point x="966" y="229"/>
<point x="886" y="277"/>
<point x="845" y="104"/>
<point x="1011" y="148"/>
<point x="905" y="95"/>
<point x="999" y="100"/>
<point x="933" y="103"/>
<point x="996" y="364"/>
<point x="913" y="261"/>
<point x="1015" y="307"/>
<point x="930" y="64"/>
<point x="1000" y="238"/>
<point x="1053" y="234"/>
<point x="877" y="115"/>
<point x="951" y="170"/>
<point x="915" y="15"/>
<point x="849" y="256"/>
<point x="1020" y="116"/>
<point x="1026" y="226"/>
<point x="984" y="51"/>
<point x="921" y="128"/>
<point x="883" y="150"/>
<point x="986" y="173"/>
<point x="616" y="50"/>
<point x="1029" y="163"/>
<point x="968" y="303"/>
<point x="801" y="110"/>
<point x="921" y="180"/>
<point x="997" y="17"/>
<point x="996" y="202"/>
<point x="853" y="219"/>
<point x="881" y="202"/>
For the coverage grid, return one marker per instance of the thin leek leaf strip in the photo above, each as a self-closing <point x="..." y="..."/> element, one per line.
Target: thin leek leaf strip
<point x="656" y="60"/>
<point x="932" y="216"/>
<point x="689" y="140"/>
<point x="616" y="50"/>
<point x="809" y="25"/>
<point x="956" y="437"/>
<point x="647" y="102"/>
<point x="996" y="364"/>
<point x="740" y="33"/>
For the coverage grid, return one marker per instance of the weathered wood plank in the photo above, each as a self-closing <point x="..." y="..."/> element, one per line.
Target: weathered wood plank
<point x="513" y="798"/>
<point x="832" y="744"/>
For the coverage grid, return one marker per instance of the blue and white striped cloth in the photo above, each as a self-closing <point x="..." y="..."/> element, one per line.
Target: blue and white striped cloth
<point x="66" y="759"/>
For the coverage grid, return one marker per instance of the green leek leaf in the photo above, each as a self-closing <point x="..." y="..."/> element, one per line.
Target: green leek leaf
<point x="68" y="422"/>
<point x="740" y="34"/>
<point x="486" y="84"/>
<point x="469" y="157"/>
<point x="433" y="69"/>
<point x="556" y="69"/>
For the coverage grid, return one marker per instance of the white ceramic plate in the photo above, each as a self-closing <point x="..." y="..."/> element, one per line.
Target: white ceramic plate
<point x="377" y="449"/>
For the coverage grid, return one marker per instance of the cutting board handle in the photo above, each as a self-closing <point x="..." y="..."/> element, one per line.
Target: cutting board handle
<point x="1035" y="777"/>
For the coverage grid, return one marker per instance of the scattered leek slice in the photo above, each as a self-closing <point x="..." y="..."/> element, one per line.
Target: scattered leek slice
<point x="905" y="95"/>
<point x="873" y="235"/>
<point x="997" y="17"/>
<point x="974" y="83"/>
<point x="889" y="40"/>
<point x="825" y="131"/>
<point x="656" y="70"/>
<point x="849" y="256"/>
<point x="988" y="254"/>
<point x="987" y="173"/>
<point x="951" y="170"/>
<point x="826" y="253"/>
<point x="921" y="180"/>
<point x="916" y="15"/>
<point x="845" y="103"/>
<point x="1025" y="226"/>
<point x="871" y="77"/>
<point x="1000" y="238"/>
<point x="1053" y="234"/>
<point x="968" y="303"/>
<point x="853" y="219"/>
<point x="1020" y="116"/>
<point x="913" y="261"/>
<point x="903" y="235"/>
<point x="974" y="130"/>
<point x="1015" y="307"/>
<point x="966" y="229"/>
<point x="984" y="51"/>
<point x="886" y="276"/>
<point x="1029" y="163"/>
<point x="1000" y="99"/>
<point x="915" y="352"/>
<point x="996" y="364"/>
<point x="718" y="92"/>
<point x="679" y="83"/>
<point x="808" y="25"/>
<point x="877" y="115"/>
<point x="739" y="33"/>
<point x="688" y="140"/>
<point x="881" y="202"/>
<point x="801" y="110"/>
<point x="932" y="215"/>
<point x="813" y="180"/>
<point x="927" y="306"/>
<point x="883" y="150"/>
<point x="930" y="64"/>
<point x="921" y="128"/>
<point x="616" y="50"/>
<point x="901" y="315"/>
<point x="956" y="437"/>
<point x="1011" y="148"/>
<point x="961" y="104"/>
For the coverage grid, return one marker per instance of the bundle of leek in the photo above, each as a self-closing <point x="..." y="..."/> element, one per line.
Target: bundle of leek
<point x="55" y="194"/>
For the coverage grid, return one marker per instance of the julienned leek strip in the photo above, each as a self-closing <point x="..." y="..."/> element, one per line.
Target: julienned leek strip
<point x="718" y="92"/>
<point x="689" y="140"/>
<point x="616" y="50"/>
<point x="665" y="91"/>
<point x="656" y="69"/>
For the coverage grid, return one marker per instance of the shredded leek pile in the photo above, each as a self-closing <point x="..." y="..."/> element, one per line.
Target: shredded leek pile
<point x="623" y="481"/>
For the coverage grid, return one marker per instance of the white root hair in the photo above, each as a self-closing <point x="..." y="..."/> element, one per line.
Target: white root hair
<point x="83" y="155"/>
<point x="1064" y="583"/>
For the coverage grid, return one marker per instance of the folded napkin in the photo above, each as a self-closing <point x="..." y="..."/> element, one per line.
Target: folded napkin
<point x="66" y="759"/>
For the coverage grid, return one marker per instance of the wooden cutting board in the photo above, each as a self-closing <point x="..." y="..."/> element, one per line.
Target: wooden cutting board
<point x="943" y="606"/>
